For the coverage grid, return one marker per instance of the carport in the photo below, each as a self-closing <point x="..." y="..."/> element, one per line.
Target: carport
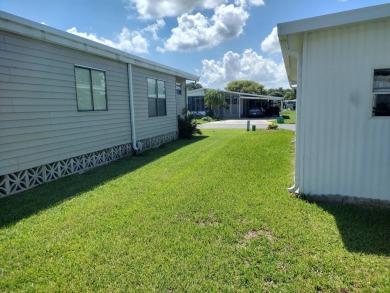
<point x="238" y="103"/>
<point x="246" y="102"/>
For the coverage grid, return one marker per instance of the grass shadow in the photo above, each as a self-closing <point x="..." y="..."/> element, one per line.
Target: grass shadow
<point x="16" y="207"/>
<point x="363" y="229"/>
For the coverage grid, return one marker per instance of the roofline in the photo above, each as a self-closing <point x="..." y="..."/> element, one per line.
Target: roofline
<point x="291" y="33"/>
<point x="242" y="95"/>
<point x="15" y="24"/>
<point x="335" y="19"/>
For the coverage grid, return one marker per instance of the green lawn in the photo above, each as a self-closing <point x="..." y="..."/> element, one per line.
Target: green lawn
<point x="201" y="215"/>
<point x="289" y="116"/>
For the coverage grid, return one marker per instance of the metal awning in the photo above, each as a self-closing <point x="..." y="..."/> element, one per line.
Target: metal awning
<point x="266" y="98"/>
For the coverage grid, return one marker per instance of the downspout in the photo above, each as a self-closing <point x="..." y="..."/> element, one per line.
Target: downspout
<point x="295" y="187"/>
<point x="136" y="145"/>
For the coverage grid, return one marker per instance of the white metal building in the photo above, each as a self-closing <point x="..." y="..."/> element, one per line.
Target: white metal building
<point x="68" y="104"/>
<point x="340" y="64"/>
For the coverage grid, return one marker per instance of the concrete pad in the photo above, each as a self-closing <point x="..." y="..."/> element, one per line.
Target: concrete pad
<point x="242" y="124"/>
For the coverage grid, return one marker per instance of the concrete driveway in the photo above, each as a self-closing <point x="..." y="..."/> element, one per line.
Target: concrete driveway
<point x="241" y="124"/>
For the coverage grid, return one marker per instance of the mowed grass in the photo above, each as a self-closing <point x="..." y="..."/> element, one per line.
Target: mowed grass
<point x="289" y="116"/>
<point x="204" y="215"/>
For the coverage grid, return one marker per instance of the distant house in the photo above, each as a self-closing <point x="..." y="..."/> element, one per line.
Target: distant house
<point x="340" y="64"/>
<point x="68" y="104"/>
<point x="238" y="104"/>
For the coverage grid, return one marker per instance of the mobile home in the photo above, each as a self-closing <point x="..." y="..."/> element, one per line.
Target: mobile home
<point x="340" y="64"/>
<point x="68" y="104"/>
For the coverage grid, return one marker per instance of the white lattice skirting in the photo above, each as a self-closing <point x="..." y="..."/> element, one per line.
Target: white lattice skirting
<point x="22" y="180"/>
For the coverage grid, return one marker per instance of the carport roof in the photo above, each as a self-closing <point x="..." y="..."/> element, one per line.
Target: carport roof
<point x="201" y="92"/>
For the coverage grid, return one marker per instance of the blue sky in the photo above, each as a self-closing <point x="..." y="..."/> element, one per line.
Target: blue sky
<point x="218" y="40"/>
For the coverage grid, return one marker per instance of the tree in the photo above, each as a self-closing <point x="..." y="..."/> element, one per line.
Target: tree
<point x="288" y="94"/>
<point x="214" y="99"/>
<point x="193" y="86"/>
<point x="246" y="86"/>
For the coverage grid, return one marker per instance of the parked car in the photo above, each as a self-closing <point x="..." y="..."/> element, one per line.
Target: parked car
<point x="256" y="112"/>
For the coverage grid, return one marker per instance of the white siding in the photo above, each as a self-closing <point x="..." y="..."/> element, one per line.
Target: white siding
<point x="149" y="127"/>
<point x="39" y="121"/>
<point x="343" y="149"/>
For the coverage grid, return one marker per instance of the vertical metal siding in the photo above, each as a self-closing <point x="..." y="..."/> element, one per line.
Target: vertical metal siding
<point x="345" y="151"/>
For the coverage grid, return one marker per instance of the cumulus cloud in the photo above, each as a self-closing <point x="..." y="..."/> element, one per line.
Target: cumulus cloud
<point x="163" y="8"/>
<point x="249" y="65"/>
<point x="153" y="28"/>
<point x="250" y="2"/>
<point x="195" y="31"/>
<point x="271" y="43"/>
<point x="131" y="42"/>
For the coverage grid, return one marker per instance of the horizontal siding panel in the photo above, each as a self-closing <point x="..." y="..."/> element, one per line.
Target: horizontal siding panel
<point x="56" y="53"/>
<point x="47" y="132"/>
<point x="58" y="121"/>
<point x="65" y="74"/>
<point x="31" y="109"/>
<point x="31" y="148"/>
<point x="37" y="88"/>
<point x="28" y="65"/>
<point x="65" y="137"/>
<point x="38" y="94"/>
<point x="37" y="80"/>
<point x="68" y="57"/>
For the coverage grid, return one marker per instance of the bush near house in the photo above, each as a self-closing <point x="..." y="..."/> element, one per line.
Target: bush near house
<point x="187" y="124"/>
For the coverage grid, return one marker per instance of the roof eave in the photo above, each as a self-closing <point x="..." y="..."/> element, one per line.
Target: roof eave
<point x="21" y="26"/>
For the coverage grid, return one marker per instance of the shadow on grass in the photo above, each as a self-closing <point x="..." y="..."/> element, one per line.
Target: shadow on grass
<point x="16" y="207"/>
<point x="363" y="230"/>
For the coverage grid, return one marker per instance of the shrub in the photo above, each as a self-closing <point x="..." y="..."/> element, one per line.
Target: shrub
<point x="207" y="118"/>
<point x="210" y="113"/>
<point x="187" y="125"/>
<point x="272" y="126"/>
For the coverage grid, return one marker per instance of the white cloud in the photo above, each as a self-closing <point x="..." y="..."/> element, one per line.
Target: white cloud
<point x="251" y="2"/>
<point x="195" y="31"/>
<point x="163" y="8"/>
<point x="249" y="65"/>
<point x="153" y="28"/>
<point x="271" y="43"/>
<point x="257" y="2"/>
<point x="131" y="42"/>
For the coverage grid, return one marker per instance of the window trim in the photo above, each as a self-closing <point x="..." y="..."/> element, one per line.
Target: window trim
<point x="378" y="91"/>
<point x="90" y="69"/>
<point x="157" y="98"/>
